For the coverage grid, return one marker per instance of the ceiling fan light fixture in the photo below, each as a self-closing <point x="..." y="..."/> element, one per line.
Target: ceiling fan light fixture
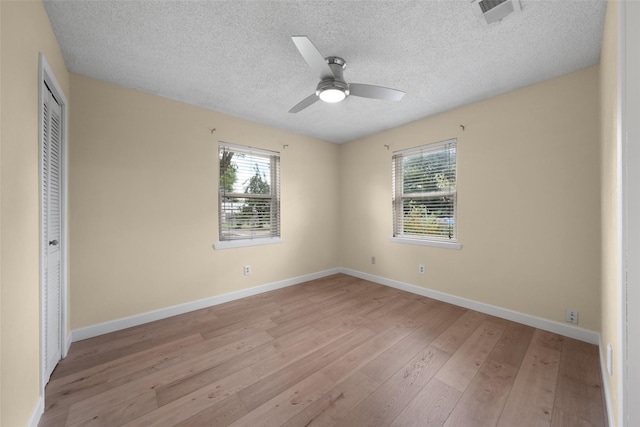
<point x="332" y="90"/>
<point x="332" y="95"/>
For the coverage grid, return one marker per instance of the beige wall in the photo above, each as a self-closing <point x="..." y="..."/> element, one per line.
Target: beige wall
<point x="143" y="204"/>
<point x="610" y="274"/>
<point x="25" y="31"/>
<point x="528" y="202"/>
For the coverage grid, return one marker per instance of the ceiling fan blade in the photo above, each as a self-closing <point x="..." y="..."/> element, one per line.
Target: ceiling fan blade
<point x="375" y="92"/>
<point x="314" y="58"/>
<point x="304" y="103"/>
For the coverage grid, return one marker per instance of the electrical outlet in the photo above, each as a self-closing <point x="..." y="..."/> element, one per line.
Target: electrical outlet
<point x="572" y="316"/>
<point x="610" y="359"/>
<point x="421" y="268"/>
<point x="247" y="270"/>
<point x="373" y="260"/>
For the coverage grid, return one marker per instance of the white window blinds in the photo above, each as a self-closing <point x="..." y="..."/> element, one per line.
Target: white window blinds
<point x="424" y="192"/>
<point x="249" y="193"/>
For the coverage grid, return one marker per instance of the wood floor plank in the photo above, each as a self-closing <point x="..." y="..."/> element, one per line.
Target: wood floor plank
<point x="193" y="403"/>
<point x="338" y="350"/>
<point x="395" y="310"/>
<point x="304" y="309"/>
<point x="140" y="332"/>
<point x="117" y="367"/>
<point x="291" y="294"/>
<point x="124" y="392"/>
<point x="374" y="301"/>
<point x="217" y="357"/>
<point x="249" y="314"/>
<point x="424" y="309"/>
<point x="220" y="414"/>
<point x="343" y="291"/>
<point x="359" y="356"/>
<point x="54" y="418"/>
<point x="400" y="316"/>
<point x="315" y="318"/>
<point x="431" y="406"/>
<point x="189" y="383"/>
<point x="564" y="419"/>
<point x="237" y="331"/>
<point x="359" y="311"/>
<point x="456" y="334"/>
<point x="114" y="415"/>
<point x="304" y="347"/>
<point x="284" y="406"/>
<point x="336" y="403"/>
<point x="484" y="399"/>
<point x="394" y="305"/>
<point x="548" y="339"/>
<point x="95" y="351"/>
<point x="91" y="359"/>
<point x="574" y="398"/>
<point x="96" y="356"/>
<point x="464" y="364"/>
<point x="65" y="391"/>
<point x="513" y="344"/>
<point x="532" y="395"/>
<point x="391" y="398"/>
<point x="197" y="358"/>
<point x="579" y="382"/>
<point x="386" y="364"/>
<point x="578" y="360"/>
<point x="274" y="384"/>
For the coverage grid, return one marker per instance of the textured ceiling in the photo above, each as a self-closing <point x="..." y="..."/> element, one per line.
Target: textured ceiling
<point x="237" y="57"/>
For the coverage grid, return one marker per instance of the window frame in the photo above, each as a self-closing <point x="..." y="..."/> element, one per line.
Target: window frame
<point x="398" y="196"/>
<point x="274" y="196"/>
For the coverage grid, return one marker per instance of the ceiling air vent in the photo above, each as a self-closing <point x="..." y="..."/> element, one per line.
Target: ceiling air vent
<point x="492" y="11"/>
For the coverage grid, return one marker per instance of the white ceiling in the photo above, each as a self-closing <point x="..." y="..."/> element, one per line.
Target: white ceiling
<point x="237" y="57"/>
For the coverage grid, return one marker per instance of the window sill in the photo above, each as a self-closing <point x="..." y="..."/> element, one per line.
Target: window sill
<point x="434" y="243"/>
<point x="230" y="244"/>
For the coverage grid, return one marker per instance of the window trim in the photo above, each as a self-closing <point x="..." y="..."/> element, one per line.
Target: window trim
<point x="230" y="244"/>
<point x="256" y="241"/>
<point x="427" y="240"/>
<point x="420" y="242"/>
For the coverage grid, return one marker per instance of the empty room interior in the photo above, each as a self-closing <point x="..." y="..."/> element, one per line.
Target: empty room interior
<point x="194" y="232"/>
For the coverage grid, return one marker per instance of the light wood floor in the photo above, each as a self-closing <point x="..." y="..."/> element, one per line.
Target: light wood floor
<point x="334" y="351"/>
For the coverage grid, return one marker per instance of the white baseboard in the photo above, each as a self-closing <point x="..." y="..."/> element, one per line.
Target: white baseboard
<point x="139" y="319"/>
<point x="526" y="319"/>
<point x="605" y="384"/>
<point x="37" y="413"/>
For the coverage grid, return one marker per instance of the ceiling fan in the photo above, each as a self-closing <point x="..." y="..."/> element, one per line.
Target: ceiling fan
<point x="332" y="87"/>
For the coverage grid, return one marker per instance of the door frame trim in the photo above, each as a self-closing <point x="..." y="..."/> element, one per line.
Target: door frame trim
<point x="45" y="74"/>
<point x="629" y="134"/>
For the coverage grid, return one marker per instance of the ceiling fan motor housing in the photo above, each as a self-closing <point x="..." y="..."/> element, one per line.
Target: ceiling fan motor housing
<point x="337" y="65"/>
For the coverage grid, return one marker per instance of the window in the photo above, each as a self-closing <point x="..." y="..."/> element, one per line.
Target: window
<point x="424" y="195"/>
<point x="249" y="196"/>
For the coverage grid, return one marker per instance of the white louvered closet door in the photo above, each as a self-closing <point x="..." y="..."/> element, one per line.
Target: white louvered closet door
<point x="52" y="225"/>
